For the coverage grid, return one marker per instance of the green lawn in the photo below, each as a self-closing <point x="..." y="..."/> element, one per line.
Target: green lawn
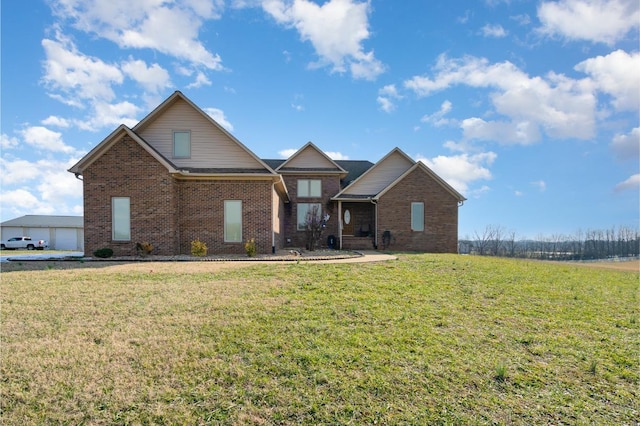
<point x="427" y="339"/>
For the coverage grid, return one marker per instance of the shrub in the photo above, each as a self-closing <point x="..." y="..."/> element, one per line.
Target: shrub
<point x="198" y="248"/>
<point x="250" y="247"/>
<point x="103" y="253"/>
<point x="144" y="248"/>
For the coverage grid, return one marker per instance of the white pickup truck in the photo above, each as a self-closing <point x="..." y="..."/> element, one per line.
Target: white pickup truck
<point x="23" y="243"/>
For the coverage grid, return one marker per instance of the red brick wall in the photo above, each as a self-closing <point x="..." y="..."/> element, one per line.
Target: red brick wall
<point x="330" y="187"/>
<point x="440" y="210"/>
<point x="127" y="170"/>
<point x="201" y="214"/>
<point x="166" y="212"/>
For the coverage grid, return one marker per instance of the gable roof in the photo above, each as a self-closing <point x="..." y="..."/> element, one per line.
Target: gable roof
<point x="310" y="159"/>
<point x="378" y="177"/>
<point x="385" y="174"/>
<point x="178" y="96"/>
<point x="354" y="168"/>
<point x="423" y="167"/>
<point x="261" y="171"/>
<point x="108" y="142"/>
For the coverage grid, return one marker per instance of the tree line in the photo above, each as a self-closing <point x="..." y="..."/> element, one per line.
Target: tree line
<point x="494" y="240"/>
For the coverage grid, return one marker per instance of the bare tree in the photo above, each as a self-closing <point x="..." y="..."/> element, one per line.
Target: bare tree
<point x="483" y="240"/>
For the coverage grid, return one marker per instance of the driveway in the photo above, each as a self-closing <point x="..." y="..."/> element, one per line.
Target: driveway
<point x="38" y="255"/>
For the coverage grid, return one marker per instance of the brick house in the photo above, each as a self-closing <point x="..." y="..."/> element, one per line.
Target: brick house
<point x="178" y="176"/>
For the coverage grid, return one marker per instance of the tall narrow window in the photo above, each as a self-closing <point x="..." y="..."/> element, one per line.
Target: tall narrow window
<point x="182" y="144"/>
<point x="306" y="213"/>
<point x="309" y="188"/>
<point x="417" y="216"/>
<point x="233" y="221"/>
<point x="121" y="219"/>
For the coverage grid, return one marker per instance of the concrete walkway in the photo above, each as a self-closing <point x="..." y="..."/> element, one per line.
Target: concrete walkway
<point x="367" y="256"/>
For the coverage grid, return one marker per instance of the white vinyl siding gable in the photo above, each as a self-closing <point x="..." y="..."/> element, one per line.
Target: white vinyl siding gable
<point x="310" y="158"/>
<point x="380" y="176"/>
<point x="210" y="146"/>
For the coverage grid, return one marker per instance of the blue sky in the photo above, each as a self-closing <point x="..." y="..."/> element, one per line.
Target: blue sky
<point x="528" y="108"/>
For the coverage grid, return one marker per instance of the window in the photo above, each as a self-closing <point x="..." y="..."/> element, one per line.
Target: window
<point x="121" y="219"/>
<point x="182" y="144"/>
<point x="417" y="216"/>
<point x="233" y="221"/>
<point x="309" y="188"/>
<point x="305" y="210"/>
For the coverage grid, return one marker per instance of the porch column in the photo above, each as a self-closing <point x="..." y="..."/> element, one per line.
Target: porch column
<point x="375" y="227"/>
<point x="340" y="223"/>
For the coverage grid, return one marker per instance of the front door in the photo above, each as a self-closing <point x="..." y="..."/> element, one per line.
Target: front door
<point x="347" y="222"/>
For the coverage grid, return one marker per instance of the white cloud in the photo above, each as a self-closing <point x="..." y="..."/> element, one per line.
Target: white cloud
<point x="201" y="80"/>
<point x="286" y="153"/>
<point x="17" y="200"/>
<point x="336" y="30"/>
<point x="495" y="31"/>
<point x="7" y="142"/>
<point x="334" y="155"/>
<point x="109" y="115"/>
<point x="39" y="187"/>
<point x="627" y="147"/>
<point x="218" y="116"/>
<point x="60" y="186"/>
<point x="386" y="104"/>
<point x="438" y="118"/>
<point x="633" y="184"/>
<point x="477" y="192"/>
<point x="45" y="139"/>
<point x="522" y="132"/>
<point x="76" y="75"/>
<point x="53" y="120"/>
<point x="152" y="78"/>
<point x="616" y="74"/>
<point x="603" y="21"/>
<point x="540" y="184"/>
<point x="168" y="27"/>
<point x="523" y="19"/>
<point x="461" y="170"/>
<point x="17" y="171"/>
<point x="386" y="97"/>
<point x="559" y="106"/>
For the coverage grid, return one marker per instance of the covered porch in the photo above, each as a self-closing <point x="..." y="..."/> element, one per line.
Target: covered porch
<point x="357" y="224"/>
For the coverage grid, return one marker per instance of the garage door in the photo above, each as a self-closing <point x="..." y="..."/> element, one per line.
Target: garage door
<point x="38" y="234"/>
<point x="66" y="239"/>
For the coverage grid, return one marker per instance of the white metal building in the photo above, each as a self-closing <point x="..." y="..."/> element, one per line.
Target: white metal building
<point x="62" y="232"/>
